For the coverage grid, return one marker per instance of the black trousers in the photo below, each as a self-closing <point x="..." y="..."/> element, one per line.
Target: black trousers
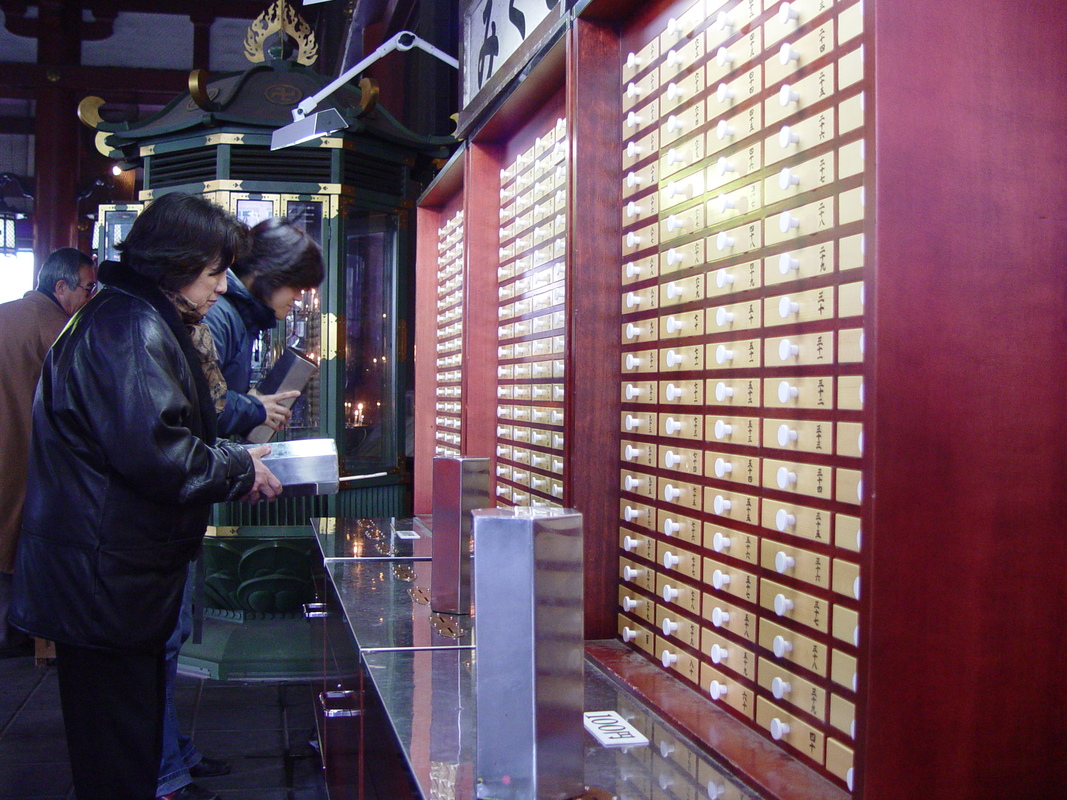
<point x="113" y="715"/>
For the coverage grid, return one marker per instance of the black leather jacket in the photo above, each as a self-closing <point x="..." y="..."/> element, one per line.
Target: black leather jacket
<point x="123" y="470"/>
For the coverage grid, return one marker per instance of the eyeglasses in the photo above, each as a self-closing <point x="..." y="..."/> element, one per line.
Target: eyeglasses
<point x="89" y="287"/>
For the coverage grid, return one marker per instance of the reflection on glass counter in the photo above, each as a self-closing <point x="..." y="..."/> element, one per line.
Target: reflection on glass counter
<point x="392" y="538"/>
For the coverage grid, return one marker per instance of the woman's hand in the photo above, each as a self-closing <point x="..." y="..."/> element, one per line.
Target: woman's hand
<point x="277" y="414"/>
<point x="266" y="486"/>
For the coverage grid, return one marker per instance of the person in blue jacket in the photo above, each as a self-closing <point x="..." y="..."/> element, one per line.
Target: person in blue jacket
<point x="284" y="262"/>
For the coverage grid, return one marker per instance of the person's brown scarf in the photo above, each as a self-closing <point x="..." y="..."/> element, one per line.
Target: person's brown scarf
<point x="205" y="347"/>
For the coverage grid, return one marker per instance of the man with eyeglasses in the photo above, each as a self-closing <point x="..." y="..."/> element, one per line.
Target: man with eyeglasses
<point x="28" y="327"/>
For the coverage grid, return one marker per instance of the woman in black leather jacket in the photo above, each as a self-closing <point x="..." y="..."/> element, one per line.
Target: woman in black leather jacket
<point x="124" y="467"/>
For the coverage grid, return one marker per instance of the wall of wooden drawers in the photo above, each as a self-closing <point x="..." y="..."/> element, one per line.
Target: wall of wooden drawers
<point x="776" y="299"/>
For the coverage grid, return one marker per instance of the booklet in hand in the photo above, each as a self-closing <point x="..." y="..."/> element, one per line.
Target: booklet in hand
<point x="290" y="372"/>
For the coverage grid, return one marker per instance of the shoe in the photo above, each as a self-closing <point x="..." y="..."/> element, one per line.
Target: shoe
<point x="210" y="768"/>
<point x="190" y="792"/>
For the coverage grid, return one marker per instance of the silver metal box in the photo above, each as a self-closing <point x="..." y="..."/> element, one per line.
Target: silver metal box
<point x="529" y="653"/>
<point x="304" y="466"/>
<point x="460" y="485"/>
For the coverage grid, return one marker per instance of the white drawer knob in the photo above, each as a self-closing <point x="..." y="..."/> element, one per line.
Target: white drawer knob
<point x="632" y="391"/>
<point x="783" y="562"/>
<point x="724" y="21"/>
<point x="718" y="692"/>
<point x="723" y="392"/>
<point x="633" y="269"/>
<point x="781" y="646"/>
<point x="673" y="58"/>
<point x="670" y="527"/>
<point x="787" y="54"/>
<point x="856" y="587"/>
<point x="632" y="422"/>
<point x="674" y="156"/>
<point x="722" y="430"/>
<point x="724" y="57"/>
<point x="669" y="593"/>
<point x="630" y="543"/>
<point x="779" y="729"/>
<point x="724" y="242"/>
<point x="629" y="573"/>
<point x="628" y="634"/>
<point x="723" y="317"/>
<point x="786" y="13"/>
<point x="674" y="123"/>
<point x="673" y="392"/>
<point x="632" y="209"/>
<point x="667" y="658"/>
<point x="780" y="688"/>
<point x="670" y="560"/>
<point x="720" y="542"/>
<point x="720" y="579"/>
<point x="674" y="358"/>
<point x="786" y="392"/>
<point x="673" y="290"/>
<point x="674" y="324"/>
<point x="673" y="257"/>
<point x="671" y="493"/>
<point x="674" y="91"/>
<point x="787" y="264"/>
<point x="723" y="467"/>
<point x="671" y="459"/>
<point x="723" y="93"/>
<point x="783" y="520"/>
<point x="721" y="504"/>
<point x="629" y="604"/>
<point x="632" y="150"/>
<point x="629" y="513"/>
<point x="673" y="28"/>
<point x="631" y="452"/>
<point x="719" y="654"/>
<point x="723" y="203"/>
<point x="671" y="425"/>
<point x="673" y="189"/>
<point x="632" y="180"/>
<point x="632" y="483"/>
<point x="716" y="790"/>
<point x="786" y="222"/>
<point x="723" y="354"/>
<point x="723" y="278"/>
<point x="723" y="130"/>
<point x="675" y="223"/>
<point x="785" y="478"/>
<point x="632" y="361"/>
<point x="632" y="240"/>
<point x="787" y="350"/>
<point x="787" y="178"/>
<point x="782" y="605"/>
<point x="668" y="626"/>
<point x="633" y="90"/>
<point x="786" y="96"/>
<point x="786" y="435"/>
<point x="724" y="167"/>
<point x="719" y="617"/>
<point x="633" y="61"/>
<point x="633" y="119"/>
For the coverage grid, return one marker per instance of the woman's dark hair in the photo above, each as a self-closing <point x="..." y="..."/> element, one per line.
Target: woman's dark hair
<point x="282" y="254"/>
<point x="178" y="235"/>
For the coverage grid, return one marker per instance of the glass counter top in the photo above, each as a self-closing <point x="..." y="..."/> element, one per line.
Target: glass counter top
<point x="387" y="539"/>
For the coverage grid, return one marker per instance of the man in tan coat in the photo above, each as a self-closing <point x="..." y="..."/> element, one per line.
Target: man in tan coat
<point x="28" y="327"/>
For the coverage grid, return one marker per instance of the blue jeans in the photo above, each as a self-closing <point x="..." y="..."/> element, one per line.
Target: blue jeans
<point x="179" y="752"/>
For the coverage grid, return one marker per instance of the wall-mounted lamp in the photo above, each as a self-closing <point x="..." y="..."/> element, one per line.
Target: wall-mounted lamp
<point x="307" y="125"/>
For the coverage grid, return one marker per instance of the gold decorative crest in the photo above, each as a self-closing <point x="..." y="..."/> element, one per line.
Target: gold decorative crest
<point x="282" y="22"/>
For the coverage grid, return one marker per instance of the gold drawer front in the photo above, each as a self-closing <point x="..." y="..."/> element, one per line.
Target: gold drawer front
<point x="733" y="317"/>
<point x="813" y="305"/>
<point x="799" y="178"/>
<point x="789" y="140"/>
<point x="638" y="454"/>
<point x="736" y="203"/>
<point x="636" y="181"/>
<point x="639" y="269"/>
<point x="843" y="670"/>
<point x="681" y="426"/>
<point x="805" y="349"/>
<point x="787" y="687"/>
<point x="811" y="480"/>
<point x="794" y="224"/>
<point x="638" y="331"/>
<point x="640" y="210"/>
<point x="682" y="459"/>
<point x="637" y="604"/>
<point x="676" y="191"/>
<point x="851" y="252"/>
<point x="639" y="483"/>
<point x="681" y="324"/>
<point x="788" y="729"/>
<point x="675" y="560"/>
<point x="730" y="280"/>
<point x="675" y="594"/>
<point x="680" y="122"/>
<point x="681" y="290"/>
<point x="725" y="95"/>
<point x="842" y="714"/>
<point x="850" y="205"/>
<point x="815" y="392"/>
<point x="729" y="580"/>
<point x="850" y="69"/>
<point x="638" y="147"/>
<point x="850" y="300"/>
<point x="681" y="392"/>
<point x="679" y="526"/>
<point x="685" y="358"/>
<point x="794" y="647"/>
<point x="686" y="23"/>
<point x="681" y="256"/>
<point x="640" y="635"/>
<point x="744" y="392"/>
<point x="681" y="223"/>
<point x="730" y="127"/>
<point x="728" y="167"/>
<point x="636" y="544"/>
<point x="846" y="625"/>
<point x="637" y="513"/>
<point x="807" y="436"/>
<point x="847" y="579"/>
<point x="639" y="392"/>
<point x="639" y="89"/>
<point x="728" y="655"/>
<point x="785" y="602"/>
<point x="794" y="96"/>
<point x="847" y="532"/>
<point x="731" y="505"/>
<point x="724" y="689"/>
<point x="797" y="53"/>
<point x="680" y="493"/>
<point x="850" y="346"/>
<point x="850" y="392"/>
<point x="738" y="354"/>
<point x="776" y="28"/>
<point x="637" y="61"/>
<point x="733" y="543"/>
<point x="639" y="361"/>
<point x="727" y="616"/>
<point x="849" y="487"/>
<point x="794" y="562"/>
<point x="643" y="422"/>
<point x="677" y="91"/>
<point x="639" y="239"/>
<point x="732" y="430"/>
<point x="839" y="757"/>
<point x="672" y="625"/>
<point x="724" y="59"/>
<point x="637" y="120"/>
<point x="732" y="467"/>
